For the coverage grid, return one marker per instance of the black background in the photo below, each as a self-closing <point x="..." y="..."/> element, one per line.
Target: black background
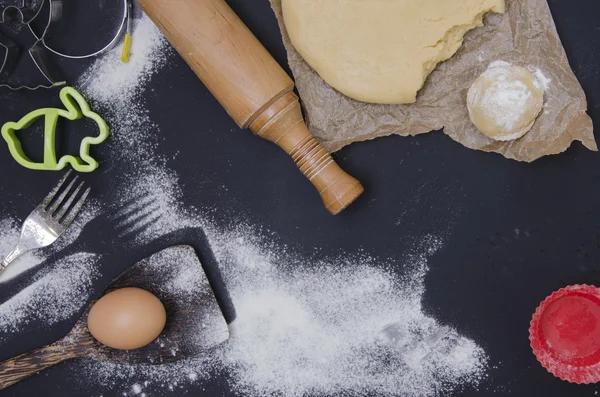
<point x="513" y="232"/>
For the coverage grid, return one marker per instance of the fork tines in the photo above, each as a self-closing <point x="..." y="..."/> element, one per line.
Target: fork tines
<point x="69" y="202"/>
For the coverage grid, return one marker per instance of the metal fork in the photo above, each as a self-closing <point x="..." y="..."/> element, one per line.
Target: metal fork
<point x="50" y="219"/>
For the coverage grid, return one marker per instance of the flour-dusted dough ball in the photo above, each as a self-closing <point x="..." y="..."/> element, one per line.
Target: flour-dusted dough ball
<point x="381" y="51"/>
<point x="505" y="101"/>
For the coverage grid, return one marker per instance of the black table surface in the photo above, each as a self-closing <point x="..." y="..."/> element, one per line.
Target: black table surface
<point x="514" y="232"/>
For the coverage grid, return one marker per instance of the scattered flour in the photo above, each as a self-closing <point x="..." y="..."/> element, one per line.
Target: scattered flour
<point x="108" y="75"/>
<point x="542" y="79"/>
<point x="322" y="327"/>
<point x="136" y="388"/>
<point x="56" y="295"/>
<point x="116" y="89"/>
<point x="309" y="326"/>
<point x="149" y="204"/>
<point x="147" y="196"/>
<point x="10" y="231"/>
<point x="178" y="271"/>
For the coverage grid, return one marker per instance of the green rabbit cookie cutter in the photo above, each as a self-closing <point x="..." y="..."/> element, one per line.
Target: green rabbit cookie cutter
<point x="76" y="107"/>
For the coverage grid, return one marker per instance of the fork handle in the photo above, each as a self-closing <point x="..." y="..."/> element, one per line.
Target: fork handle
<point x="8" y="259"/>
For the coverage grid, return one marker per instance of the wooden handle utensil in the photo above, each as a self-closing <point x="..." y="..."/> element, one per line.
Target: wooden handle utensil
<point x="251" y="86"/>
<point x="183" y="332"/>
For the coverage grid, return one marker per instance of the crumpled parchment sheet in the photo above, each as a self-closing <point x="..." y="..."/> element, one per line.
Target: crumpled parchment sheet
<point x="525" y="35"/>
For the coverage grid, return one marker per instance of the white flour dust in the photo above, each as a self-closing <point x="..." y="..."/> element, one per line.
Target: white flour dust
<point x="117" y="89"/>
<point x="178" y="270"/>
<point x="54" y="296"/>
<point x="347" y="325"/>
<point x="180" y="273"/>
<point x="10" y="230"/>
<point x="309" y="326"/>
<point x="150" y="204"/>
<point x="108" y="75"/>
<point x="542" y="79"/>
<point x="146" y="196"/>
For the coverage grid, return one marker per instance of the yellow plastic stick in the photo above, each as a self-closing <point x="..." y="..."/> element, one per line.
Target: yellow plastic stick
<point x="126" y="48"/>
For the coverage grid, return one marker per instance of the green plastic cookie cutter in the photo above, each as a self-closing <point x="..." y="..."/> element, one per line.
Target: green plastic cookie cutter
<point x="76" y="107"/>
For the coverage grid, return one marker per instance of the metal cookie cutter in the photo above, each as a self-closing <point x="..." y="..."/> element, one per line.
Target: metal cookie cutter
<point x="124" y="27"/>
<point x="40" y="51"/>
<point x="37" y="52"/>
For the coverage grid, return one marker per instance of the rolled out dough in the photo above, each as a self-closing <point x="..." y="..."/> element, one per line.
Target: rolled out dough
<point x="381" y="51"/>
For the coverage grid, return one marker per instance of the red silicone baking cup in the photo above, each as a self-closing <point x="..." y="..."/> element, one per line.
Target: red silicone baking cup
<point x="565" y="334"/>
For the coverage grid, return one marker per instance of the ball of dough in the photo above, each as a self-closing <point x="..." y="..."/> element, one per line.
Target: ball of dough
<point x="505" y="101"/>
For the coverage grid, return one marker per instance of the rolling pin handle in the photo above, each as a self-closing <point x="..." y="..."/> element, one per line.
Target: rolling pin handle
<point x="282" y="124"/>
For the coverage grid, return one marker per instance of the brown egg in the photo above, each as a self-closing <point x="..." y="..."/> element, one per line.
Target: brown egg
<point x="127" y="319"/>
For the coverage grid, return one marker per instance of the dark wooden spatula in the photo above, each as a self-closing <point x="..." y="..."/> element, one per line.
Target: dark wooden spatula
<point x="194" y="320"/>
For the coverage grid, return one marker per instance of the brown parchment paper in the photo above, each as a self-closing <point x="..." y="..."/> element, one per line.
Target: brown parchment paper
<point x="525" y="35"/>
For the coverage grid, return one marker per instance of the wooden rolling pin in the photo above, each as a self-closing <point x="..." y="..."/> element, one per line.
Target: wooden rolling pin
<point x="251" y="86"/>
